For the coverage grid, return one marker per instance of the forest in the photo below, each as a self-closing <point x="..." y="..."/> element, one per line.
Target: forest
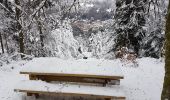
<point x="51" y="28"/>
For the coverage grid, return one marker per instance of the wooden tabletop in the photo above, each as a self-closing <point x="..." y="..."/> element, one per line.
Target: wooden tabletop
<point x="76" y="68"/>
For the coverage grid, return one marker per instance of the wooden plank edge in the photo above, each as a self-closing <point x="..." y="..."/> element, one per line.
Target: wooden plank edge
<point x="75" y="75"/>
<point x="65" y="93"/>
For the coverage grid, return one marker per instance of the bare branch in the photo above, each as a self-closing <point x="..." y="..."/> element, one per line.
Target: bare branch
<point x="36" y="10"/>
<point x="39" y="7"/>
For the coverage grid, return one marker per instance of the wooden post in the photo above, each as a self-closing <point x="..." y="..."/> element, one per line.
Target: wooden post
<point x="32" y="77"/>
<point x="29" y="94"/>
<point x="36" y="95"/>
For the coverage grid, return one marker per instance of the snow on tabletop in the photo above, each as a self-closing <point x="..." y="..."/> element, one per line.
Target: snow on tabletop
<point x="89" y="66"/>
<point x="31" y="85"/>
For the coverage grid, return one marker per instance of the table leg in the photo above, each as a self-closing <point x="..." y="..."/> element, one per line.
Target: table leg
<point x="32" y="77"/>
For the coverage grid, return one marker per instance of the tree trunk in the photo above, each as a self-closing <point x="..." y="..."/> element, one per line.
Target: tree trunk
<point x="2" y="46"/>
<point x="41" y="38"/>
<point x="166" y="85"/>
<point x="6" y="43"/>
<point x="19" y="27"/>
<point x="41" y="34"/>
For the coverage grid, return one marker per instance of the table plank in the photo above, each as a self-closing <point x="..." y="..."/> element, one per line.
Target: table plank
<point x="74" y="75"/>
<point x="73" y="68"/>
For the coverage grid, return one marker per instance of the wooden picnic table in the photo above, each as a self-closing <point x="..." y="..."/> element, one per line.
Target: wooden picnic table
<point x="88" y="71"/>
<point x="73" y="71"/>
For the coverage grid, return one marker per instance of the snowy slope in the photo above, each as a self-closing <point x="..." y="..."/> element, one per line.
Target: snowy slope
<point x="140" y="83"/>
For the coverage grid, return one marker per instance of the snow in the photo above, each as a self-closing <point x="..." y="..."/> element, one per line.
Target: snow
<point x="139" y="83"/>
<point x="109" y="10"/>
<point x="85" y="67"/>
<point x="89" y="5"/>
<point x="144" y="82"/>
<point x="87" y="54"/>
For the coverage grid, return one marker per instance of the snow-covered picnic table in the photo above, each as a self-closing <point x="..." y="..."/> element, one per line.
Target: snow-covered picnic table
<point x="83" y="68"/>
<point x="84" y="71"/>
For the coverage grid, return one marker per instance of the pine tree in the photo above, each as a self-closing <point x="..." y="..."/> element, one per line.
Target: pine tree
<point x="130" y="19"/>
<point x="154" y="39"/>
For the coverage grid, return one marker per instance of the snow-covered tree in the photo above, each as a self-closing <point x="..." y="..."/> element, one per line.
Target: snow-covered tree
<point x="102" y="43"/>
<point x="61" y="43"/>
<point x="153" y="41"/>
<point x="130" y="19"/>
<point x="31" y="21"/>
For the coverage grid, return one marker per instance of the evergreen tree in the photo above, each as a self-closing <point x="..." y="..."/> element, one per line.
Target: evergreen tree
<point x="130" y="19"/>
<point x="154" y="39"/>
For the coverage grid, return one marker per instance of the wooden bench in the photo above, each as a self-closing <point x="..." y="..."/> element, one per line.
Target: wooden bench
<point x="40" y="87"/>
<point x="72" y="72"/>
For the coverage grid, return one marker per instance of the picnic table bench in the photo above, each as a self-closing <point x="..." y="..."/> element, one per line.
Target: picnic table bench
<point x="71" y="71"/>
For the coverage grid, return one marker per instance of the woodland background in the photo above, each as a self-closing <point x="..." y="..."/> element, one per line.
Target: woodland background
<point x="58" y="28"/>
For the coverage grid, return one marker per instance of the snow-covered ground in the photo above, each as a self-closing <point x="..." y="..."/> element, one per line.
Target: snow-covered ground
<point x="140" y="83"/>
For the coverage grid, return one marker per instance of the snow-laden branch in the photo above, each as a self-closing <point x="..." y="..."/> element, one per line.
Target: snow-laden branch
<point x="4" y="7"/>
<point x="33" y="14"/>
<point x="18" y="6"/>
<point x="36" y="10"/>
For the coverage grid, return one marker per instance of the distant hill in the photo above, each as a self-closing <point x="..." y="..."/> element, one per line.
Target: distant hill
<point x="94" y="10"/>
